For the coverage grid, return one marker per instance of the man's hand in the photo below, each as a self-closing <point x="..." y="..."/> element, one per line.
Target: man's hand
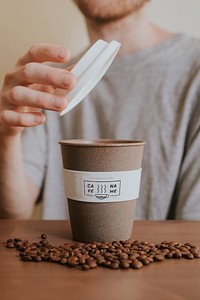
<point x="30" y="86"/>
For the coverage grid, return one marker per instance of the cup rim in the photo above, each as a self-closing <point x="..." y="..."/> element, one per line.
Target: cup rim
<point x="101" y="142"/>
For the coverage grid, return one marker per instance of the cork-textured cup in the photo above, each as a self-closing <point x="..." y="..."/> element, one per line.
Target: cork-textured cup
<point x="102" y="181"/>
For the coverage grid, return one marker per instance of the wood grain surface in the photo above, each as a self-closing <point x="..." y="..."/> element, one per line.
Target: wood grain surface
<point x="173" y="279"/>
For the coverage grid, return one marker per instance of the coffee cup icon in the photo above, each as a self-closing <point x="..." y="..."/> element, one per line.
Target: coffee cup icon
<point x="101" y="196"/>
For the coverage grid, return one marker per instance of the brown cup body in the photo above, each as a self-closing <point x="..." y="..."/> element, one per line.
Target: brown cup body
<point x="106" y="221"/>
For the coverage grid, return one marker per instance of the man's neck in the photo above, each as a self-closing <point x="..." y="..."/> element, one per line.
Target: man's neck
<point x="136" y="32"/>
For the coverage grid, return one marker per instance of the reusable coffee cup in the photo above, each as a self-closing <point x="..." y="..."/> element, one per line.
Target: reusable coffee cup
<point x="102" y="183"/>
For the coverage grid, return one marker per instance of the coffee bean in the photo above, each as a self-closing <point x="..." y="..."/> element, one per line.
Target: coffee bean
<point x="55" y="258"/>
<point x="22" y="254"/>
<point x="145" y="261"/>
<point x="123" y="255"/>
<point x="82" y="261"/>
<point x="43" y="236"/>
<point x="114" y="265"/>
<point x="177" y="254"/>
<point x="10" y="241"/>
<point x="10" y="245"/>
<point x="159" y="258"/>
<point x="189" y="256"/>
<point x="136" y="264"/>
<point x="37" y="258"/>
<point x="27" y="258"/>
<point x="63" y="260"/>
<point x="17" y="240"/>
<point x="106" y="264"/>
<point x="118" y="251"/>
<point x="141" y="257"/>
<point x="33" y="254"/>
<point x="85" y="267"/>
<point x="195" y="252"/>
<point x="92" y="264"/>
<point x="28" y="249"/>
<point x="66" y="254"/>
<point x="100" y="260"/>
<point x="170" y="254"/>
<point x="124" y="264"/>
<point x="104" y="246"/>
<point x="44" y="242"/>
<point x="72" y="262"/>
<point x="36" y="244"/>
<point x="115" y="255"/>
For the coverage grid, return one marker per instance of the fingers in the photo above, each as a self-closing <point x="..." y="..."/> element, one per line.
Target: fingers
<point x="21" y="96"/>
<point x="11" y="118"/>
<point x="45" y="52"/>
<point x="31" y="85"/>
<point x="36" y="73"/>
<point x="42" y="88"/>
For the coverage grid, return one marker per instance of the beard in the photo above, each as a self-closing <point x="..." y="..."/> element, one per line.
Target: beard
<point x="108" y="10"/>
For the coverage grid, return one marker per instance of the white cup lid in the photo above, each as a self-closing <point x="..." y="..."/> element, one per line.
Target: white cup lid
<point x="89" y="70"/>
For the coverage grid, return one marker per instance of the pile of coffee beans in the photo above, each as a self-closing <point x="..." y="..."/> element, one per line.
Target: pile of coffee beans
<point x="115" y="255"/>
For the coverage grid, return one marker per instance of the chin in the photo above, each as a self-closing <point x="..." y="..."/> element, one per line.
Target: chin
<point x="108" y="10"/>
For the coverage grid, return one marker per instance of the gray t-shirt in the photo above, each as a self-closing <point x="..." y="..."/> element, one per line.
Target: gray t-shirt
<point x="153" y="95"/>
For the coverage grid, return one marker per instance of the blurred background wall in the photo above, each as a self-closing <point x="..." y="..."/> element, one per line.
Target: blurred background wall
<point x="26" y="22"/>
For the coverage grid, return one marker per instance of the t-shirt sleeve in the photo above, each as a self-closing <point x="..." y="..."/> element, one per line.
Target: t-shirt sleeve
<point x="188" y="186"/>
<point x="34" y="149"/>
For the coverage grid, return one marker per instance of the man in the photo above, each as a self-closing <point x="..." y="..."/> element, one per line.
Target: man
<point x="151" y="92"/>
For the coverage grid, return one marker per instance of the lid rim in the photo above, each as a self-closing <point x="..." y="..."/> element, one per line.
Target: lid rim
<point x="101" y="143"/>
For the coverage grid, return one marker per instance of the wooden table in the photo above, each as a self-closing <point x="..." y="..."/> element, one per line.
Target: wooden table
<point x="170" y="279"/>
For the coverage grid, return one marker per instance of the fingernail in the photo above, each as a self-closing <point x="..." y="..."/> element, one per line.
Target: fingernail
<point x="69" y="80"/>
<point x="37" y="119"/>
<point x="58" y="103"/>
<point x="62" y="53"/>
<point x="66" y="80"/>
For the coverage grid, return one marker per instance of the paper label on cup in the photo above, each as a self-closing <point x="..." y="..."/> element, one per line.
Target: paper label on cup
<point x="102" y="186"/>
